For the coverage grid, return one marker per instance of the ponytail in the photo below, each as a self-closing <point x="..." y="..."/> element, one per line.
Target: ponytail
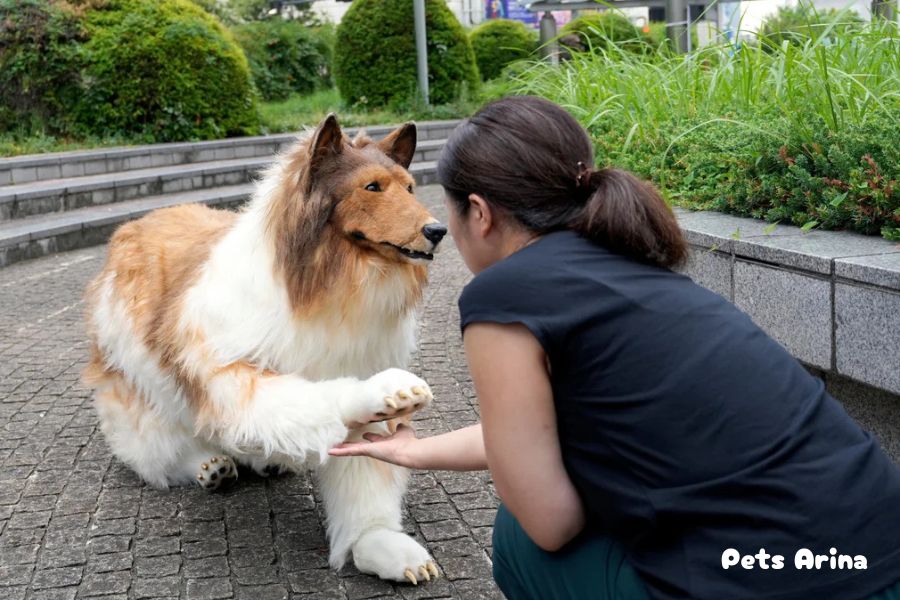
<point x="629" y="216"/>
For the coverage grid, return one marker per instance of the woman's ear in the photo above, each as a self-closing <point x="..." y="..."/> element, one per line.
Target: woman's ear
<point x="481" y="219"/>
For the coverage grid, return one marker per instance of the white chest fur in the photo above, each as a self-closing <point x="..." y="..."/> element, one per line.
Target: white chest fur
<point x="244" y="313"/>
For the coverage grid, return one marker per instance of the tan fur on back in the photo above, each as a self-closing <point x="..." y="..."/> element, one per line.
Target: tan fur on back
<point x="152" y="261"/>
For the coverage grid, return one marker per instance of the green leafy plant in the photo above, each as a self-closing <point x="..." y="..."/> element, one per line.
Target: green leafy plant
<point x="39" y="64"/>
<point x="375" y="55"/>
<point x="499" y="42"/>
<point x="163" y="71"/>
<point x="285" y="57"/>
<point x="801" y="133"/>
<point x="596" y="31"/>
<point x="798" y="24"/>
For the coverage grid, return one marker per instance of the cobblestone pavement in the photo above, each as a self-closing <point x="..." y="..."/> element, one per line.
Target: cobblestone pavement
<point x="75" y="523"/>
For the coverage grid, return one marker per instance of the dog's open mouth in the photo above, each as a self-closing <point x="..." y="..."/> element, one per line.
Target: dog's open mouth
<point x="410" y="253"/>
<point x="404" y="251"/>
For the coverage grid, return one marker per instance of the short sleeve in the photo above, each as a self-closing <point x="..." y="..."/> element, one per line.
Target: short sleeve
<point x="500" y="295"/>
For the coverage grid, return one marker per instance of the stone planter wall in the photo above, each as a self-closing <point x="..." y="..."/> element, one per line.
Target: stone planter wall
<point x="831" y="298"/>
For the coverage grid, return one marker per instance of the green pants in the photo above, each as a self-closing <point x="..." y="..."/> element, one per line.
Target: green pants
<point x="590" y="567"/>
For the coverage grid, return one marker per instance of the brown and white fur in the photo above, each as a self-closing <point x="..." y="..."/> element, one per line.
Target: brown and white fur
<point x="270" y="335"/>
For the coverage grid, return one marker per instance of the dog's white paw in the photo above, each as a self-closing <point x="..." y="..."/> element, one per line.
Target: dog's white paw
<point x="395" y="556"/>
<point x="387" y="395"/>
<point x="216" y="472"/>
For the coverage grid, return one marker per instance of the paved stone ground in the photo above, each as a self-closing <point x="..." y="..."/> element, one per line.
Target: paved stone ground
<point x="76" y="523"/>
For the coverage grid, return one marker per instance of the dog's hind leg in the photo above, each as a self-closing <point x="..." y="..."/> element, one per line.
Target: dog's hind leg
<point x="362" y="502"/>
<point x="163" y="452"/>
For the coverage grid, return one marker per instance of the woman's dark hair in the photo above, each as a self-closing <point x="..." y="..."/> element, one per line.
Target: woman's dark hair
<point x="530" y="158"/>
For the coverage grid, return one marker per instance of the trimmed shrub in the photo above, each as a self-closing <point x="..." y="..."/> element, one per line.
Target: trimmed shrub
<point x="284" y="57"/>
<point x="163" y="71"/>
<point x="39" y="64"/>
<point x="499" y="42"/>
<point x="598" y="30"/>
<point x="375" y="54"/>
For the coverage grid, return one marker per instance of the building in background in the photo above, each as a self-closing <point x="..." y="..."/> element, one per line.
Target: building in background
<point x="724" y="15"/>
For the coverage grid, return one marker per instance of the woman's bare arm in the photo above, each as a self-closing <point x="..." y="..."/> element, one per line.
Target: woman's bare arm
<point x="460" y="450"/>
<point x="508" y="367"/>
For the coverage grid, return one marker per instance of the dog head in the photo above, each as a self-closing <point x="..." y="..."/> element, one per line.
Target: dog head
<point x="371" y="192"/>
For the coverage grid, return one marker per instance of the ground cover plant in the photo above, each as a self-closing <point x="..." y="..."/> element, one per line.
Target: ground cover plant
<point x="802" y="132"/>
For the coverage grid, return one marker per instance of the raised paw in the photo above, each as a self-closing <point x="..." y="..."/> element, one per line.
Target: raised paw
<point x="394" y="556"/>
<point x="217" y="472"/>
<point x="388" y="395"/>
<point x="403" y="402"/>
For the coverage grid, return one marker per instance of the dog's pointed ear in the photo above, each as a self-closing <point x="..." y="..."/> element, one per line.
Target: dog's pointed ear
<point x="400" y="144"/>
<point x="328" y="140"/>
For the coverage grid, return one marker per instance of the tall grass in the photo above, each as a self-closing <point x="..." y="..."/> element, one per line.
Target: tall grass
<point x="672" y="117"/>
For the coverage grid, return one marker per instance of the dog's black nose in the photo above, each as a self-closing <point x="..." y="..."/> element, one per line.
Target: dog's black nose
<point x="434" y="232"/>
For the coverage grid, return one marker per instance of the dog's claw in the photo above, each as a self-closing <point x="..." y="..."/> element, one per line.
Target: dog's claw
<point x="412" y="578"/>
<point x="432" y="568"/>
<point x="424" y="573"/>
<point x="403" y="395"/>
<point x="205" y="467"/>
<point x="390" y="402"/>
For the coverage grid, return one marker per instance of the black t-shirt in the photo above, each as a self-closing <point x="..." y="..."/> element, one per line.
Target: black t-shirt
<point x="688" y="431"/>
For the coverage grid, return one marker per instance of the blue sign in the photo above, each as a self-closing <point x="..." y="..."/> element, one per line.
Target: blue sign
<point x="509" y="9"/>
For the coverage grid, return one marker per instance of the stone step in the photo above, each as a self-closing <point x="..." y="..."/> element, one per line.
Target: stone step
<point x="43" y="234"/>
<point x="65" y="194"/>
<point x="39" y="167"/>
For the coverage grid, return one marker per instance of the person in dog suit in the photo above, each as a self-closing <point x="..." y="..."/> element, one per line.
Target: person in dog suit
<point x="639" y="428"/>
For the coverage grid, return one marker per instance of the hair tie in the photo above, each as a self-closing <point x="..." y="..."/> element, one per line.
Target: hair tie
<point x="584" y="176"/>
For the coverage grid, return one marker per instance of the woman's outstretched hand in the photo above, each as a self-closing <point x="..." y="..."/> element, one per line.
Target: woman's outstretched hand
<point x="395" y="448"/>
<point x="460" y="450"/>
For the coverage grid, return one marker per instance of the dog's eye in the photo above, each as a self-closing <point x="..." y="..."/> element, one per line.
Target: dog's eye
<point x="373" y="187"/>
<point x="409" y="189"/>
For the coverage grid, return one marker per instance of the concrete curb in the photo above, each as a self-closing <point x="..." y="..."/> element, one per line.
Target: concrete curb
<point x="57" y="195"/>
<point x="27" y="238"/>
<point x="832" y="298"/>
<point x="19" y="170"/>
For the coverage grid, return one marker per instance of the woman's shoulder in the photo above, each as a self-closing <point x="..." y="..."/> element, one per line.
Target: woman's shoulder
<point x="532" y="274"/>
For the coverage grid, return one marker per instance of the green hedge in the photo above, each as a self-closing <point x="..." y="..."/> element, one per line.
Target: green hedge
<point x="39" y="64"/>
<point x="163" y="70"/>
<point x="285" y="57"/>
<point x="598" y="30"/>
<point x="375" y="54"/>
<point x="499" y="42"/>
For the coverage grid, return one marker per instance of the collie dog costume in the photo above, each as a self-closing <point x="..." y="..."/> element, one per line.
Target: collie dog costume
<point x="267" y="336"/>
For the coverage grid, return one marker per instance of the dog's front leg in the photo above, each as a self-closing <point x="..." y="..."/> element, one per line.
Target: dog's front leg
<point x="285" y="417"/>
<point x="362" y="502"/>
